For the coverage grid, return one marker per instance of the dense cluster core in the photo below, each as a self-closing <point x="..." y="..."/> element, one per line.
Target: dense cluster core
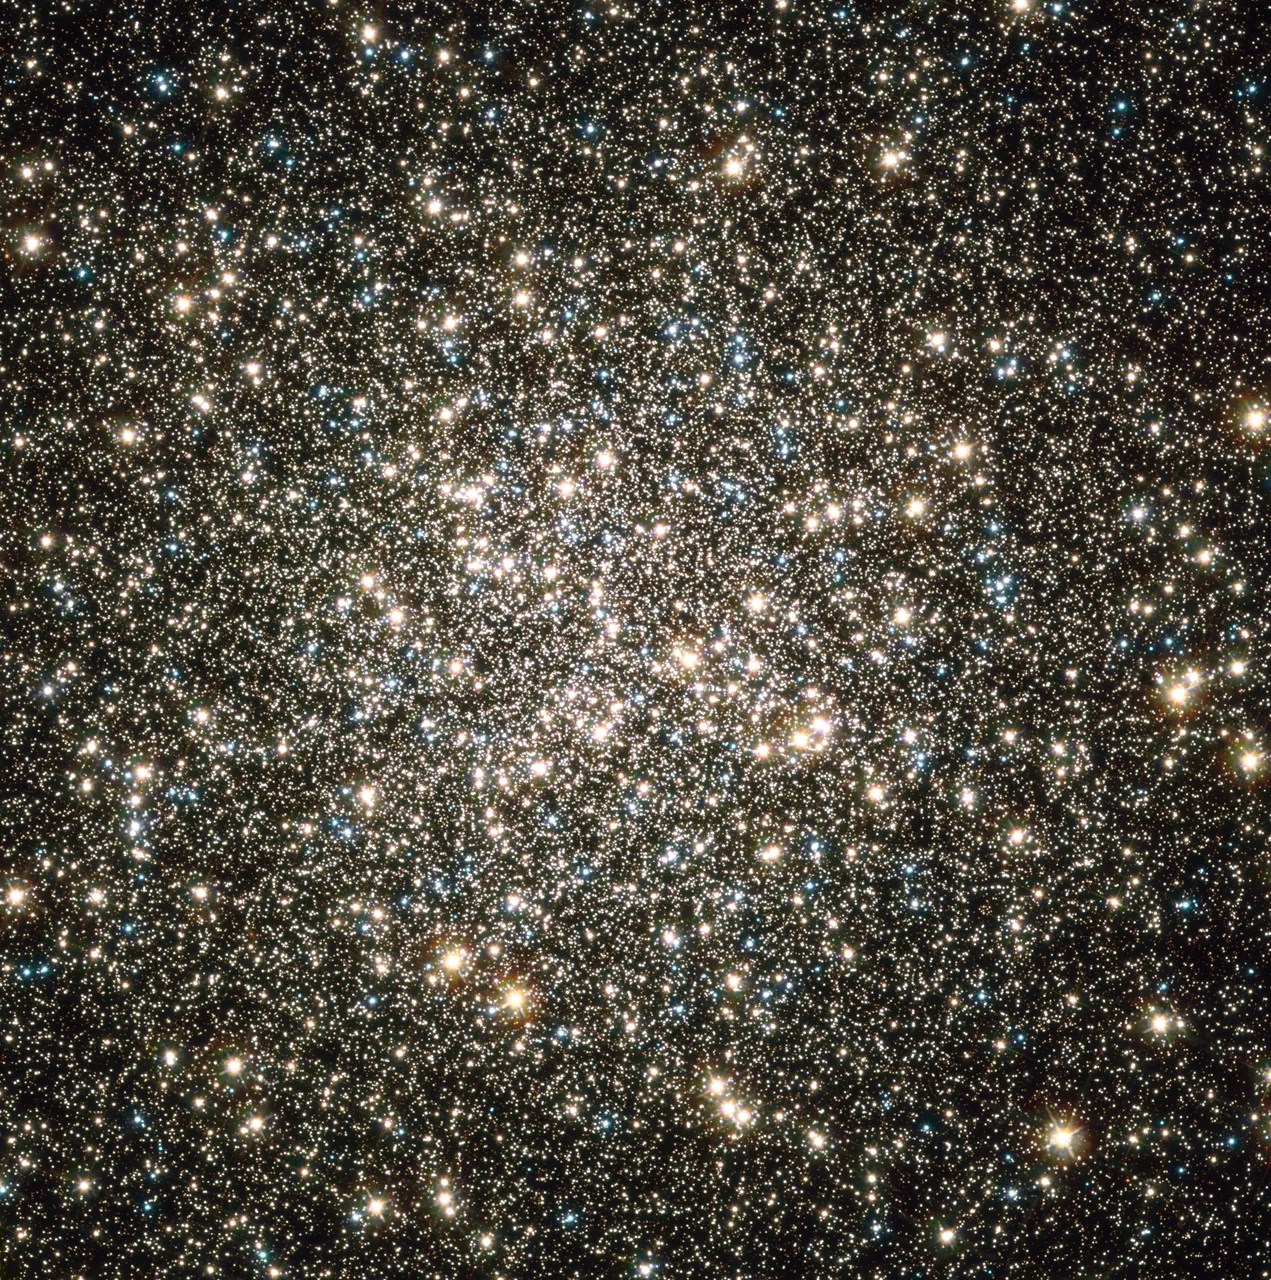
<point x="633" y="640"/>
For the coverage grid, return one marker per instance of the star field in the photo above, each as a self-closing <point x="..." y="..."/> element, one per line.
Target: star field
<point x="633" y="640"/>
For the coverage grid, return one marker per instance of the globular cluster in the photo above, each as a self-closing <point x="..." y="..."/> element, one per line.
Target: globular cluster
<point x="633" y="639"/>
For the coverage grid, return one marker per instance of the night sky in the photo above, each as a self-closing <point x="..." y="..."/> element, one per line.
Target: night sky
<point x="634" y="640"/>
